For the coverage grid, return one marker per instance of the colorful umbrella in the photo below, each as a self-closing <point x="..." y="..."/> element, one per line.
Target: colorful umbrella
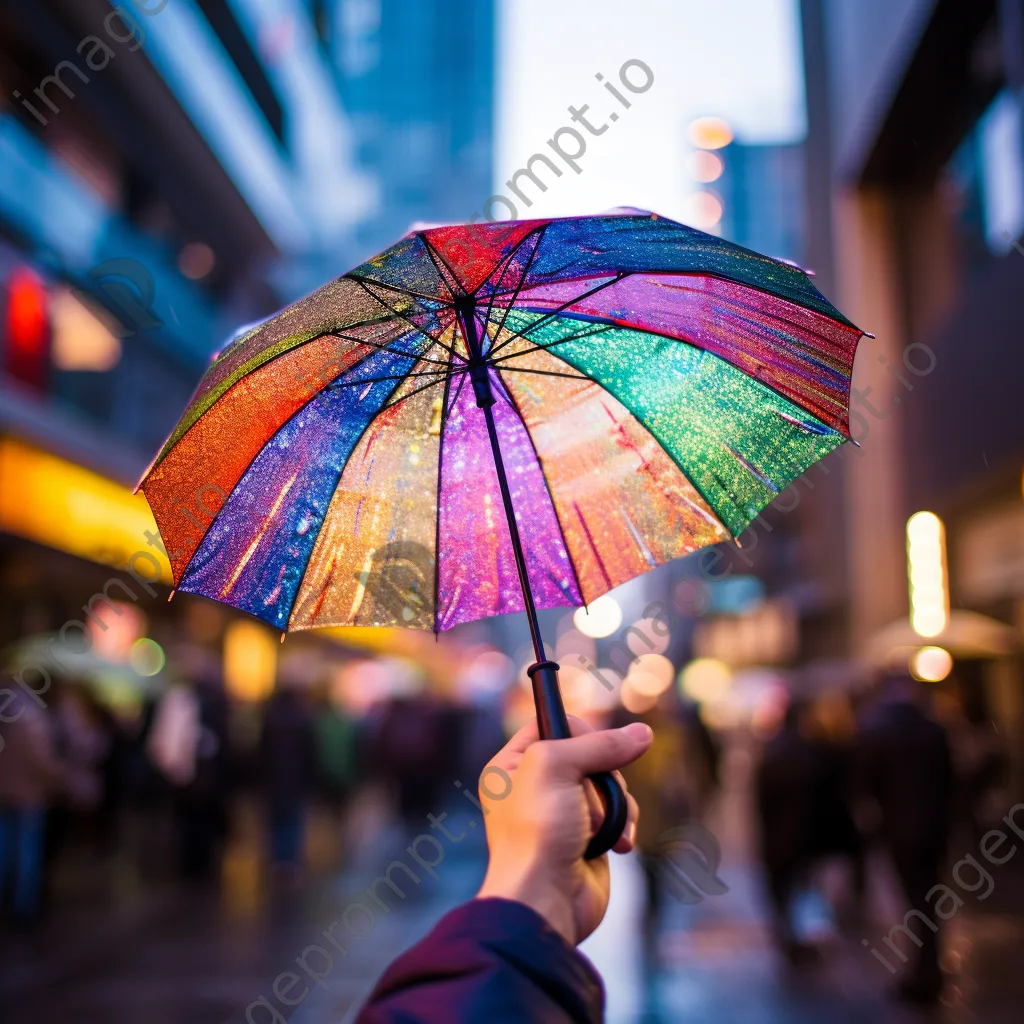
<point x="637" y="389"/>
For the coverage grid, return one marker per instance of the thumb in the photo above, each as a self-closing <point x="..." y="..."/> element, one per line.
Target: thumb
<point x="601" y="751"/>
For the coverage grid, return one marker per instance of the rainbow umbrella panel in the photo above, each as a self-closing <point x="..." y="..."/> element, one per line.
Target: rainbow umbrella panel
<point x="651" y="389"/>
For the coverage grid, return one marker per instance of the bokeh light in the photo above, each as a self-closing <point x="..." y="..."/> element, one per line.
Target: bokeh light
<point x="706" y="167"/>
<point x="705" y="679"/>
<point x="710" y="133"/>
<point x="926" y="571"/>
<point x="650" y="675"/>
<point x="703" y="210"/>
<point x="931" y="664"/>
<point x="636" y="702"/>
<point x="600" y="618"/>
<point x="250" y="660"/>
<point x="648" y="636"/>
<point x="147" y="657"/>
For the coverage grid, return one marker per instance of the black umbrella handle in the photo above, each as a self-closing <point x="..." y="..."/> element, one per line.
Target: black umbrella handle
<point x="553" y="725"/>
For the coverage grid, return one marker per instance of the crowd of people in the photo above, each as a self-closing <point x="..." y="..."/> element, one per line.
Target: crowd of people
<point x="76" y="774"/>
<point x="900" y="776"/>
<point x="899" y="771"/>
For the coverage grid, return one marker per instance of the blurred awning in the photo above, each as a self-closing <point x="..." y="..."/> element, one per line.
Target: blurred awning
<point x="51" y="501"/>
<point x="967" y="635"/>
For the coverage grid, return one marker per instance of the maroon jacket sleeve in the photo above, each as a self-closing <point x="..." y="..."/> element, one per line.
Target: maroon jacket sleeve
<point x="489" y="960"/>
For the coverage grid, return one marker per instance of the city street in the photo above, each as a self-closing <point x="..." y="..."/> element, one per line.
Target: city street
<point x="172" y="955"/>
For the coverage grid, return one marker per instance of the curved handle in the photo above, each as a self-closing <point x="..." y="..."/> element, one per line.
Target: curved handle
<point x="553" y="725"/>
<point x="615" y="813"/>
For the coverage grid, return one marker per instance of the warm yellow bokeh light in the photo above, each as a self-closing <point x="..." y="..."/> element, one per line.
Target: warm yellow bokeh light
<point x="56" y="503"/>
<point x="710" y="133"/>
<point x="250" y="660"/>
<point x="705" y="679"/>
<point x="634" y="701"/>
<point x="650" y="675"/>
<point x="931" y="664"/>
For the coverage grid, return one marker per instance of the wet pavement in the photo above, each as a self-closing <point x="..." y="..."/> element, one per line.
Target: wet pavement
<point x="120" y="949"/>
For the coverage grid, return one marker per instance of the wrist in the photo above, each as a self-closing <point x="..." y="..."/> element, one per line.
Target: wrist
<point x="547" y="900"/>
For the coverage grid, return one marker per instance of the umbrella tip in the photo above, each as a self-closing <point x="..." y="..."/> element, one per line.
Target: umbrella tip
<point x="868" y="334"/>
<point x="171" y="595"/>
<point x="283" y="635"/>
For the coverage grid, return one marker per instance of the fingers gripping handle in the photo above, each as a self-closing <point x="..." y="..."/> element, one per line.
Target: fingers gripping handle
<point x="553" y="725"/>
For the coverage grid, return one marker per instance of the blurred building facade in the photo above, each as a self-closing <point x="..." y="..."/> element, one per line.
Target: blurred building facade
<point x="915" y="193"/>
<point x="169" y="172"/>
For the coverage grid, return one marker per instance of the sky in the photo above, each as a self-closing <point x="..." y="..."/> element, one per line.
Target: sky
<point x="735" y="59"/>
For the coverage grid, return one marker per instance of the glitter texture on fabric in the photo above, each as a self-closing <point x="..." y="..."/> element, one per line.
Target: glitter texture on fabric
<point x="624" y="505"/>
<point x="798" y="352"/>
<point x="477" y="570"/>
<point x="192" y="481"/>
<point x="738" y="442"/>
<point x="254" y="555"/>
<point x="374" y="563"/>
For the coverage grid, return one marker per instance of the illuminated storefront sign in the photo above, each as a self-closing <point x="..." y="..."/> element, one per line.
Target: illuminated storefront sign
<point x="48" y="500"/>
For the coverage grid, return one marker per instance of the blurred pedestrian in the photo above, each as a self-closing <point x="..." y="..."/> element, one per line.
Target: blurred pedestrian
<point x="789" y="783"/>
<point x="834" y="833"/>
<point x="980" y="764"/>
<point x="189" y="743"/>
<point x="29" y="776"/>
<point x="905" y="767"/>
<point x="82" y="740"/>
<point x="336" y="750"/>
<point x="288" y="764"/>
<point x="409" y="755"/>
<point x="667" y="793"/>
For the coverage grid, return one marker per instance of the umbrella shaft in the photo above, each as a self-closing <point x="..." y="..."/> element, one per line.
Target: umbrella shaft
<point x="513" y="529"/>
<point x="479" y="374"/>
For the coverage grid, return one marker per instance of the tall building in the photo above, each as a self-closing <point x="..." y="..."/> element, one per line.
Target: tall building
<point x="417" y="78"/>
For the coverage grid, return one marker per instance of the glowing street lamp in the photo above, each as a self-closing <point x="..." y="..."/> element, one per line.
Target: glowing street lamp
<point x="926" y="572"/>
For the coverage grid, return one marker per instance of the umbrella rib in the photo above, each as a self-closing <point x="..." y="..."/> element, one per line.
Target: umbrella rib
<point x="559" y="341"/>
<point x="547" y="486"/>
<point x="377" y="380"/>
<point x="508" y="262"/>
<point x="522" y="281"/>
<point x="382" y="348"/>
<point x="545" y="373"/>
<point x="560" y="309"/>
<point x="422" y="387"/>
<point x="395" y="288"/>
<point x="432" y="253"/>
<point x="394" y="312"/>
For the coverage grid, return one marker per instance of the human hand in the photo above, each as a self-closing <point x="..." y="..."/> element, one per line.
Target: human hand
<point x="537" y="831"/>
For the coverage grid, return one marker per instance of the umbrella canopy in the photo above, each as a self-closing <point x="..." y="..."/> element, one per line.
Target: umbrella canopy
<point x="650" y="388"/>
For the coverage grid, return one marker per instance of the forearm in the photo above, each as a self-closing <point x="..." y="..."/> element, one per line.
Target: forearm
<point x="489" y="959"/>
